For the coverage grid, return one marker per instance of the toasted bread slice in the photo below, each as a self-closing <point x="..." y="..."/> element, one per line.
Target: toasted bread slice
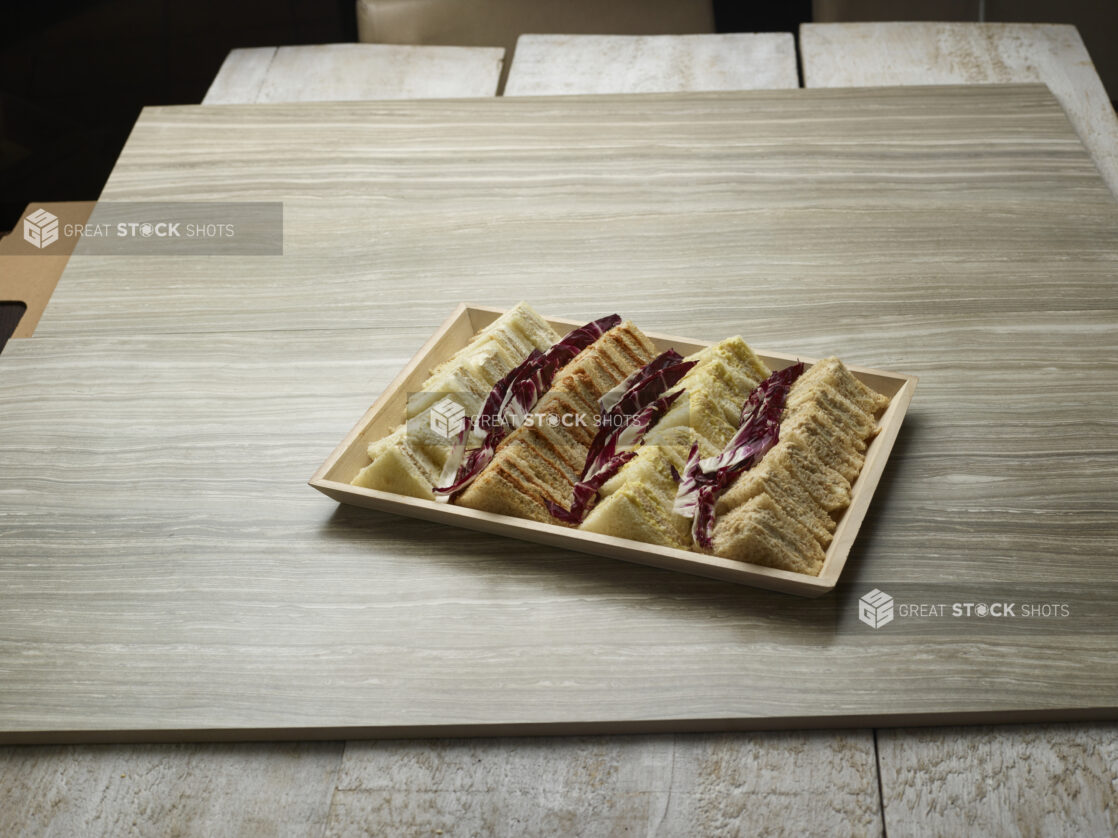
<point x="761" y="532"/>
<point x="542" y="460"/>
<point x="551" y="453"/>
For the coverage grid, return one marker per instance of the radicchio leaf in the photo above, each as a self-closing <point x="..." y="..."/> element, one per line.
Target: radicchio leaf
<point x="644" y="386"/>
<point x="703" y="481"/>
<point x="509" y="403"/>
<point x="662" y="361"/>
<point x="624" y="418"/>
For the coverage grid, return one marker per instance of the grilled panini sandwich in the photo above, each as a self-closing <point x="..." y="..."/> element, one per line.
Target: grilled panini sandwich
<point x="409" y="460"/>
<point x="780" y="512"/>
<point x="541" y="460"/>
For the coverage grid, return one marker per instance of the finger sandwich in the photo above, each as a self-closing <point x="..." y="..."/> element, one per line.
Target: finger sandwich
<point x="410" y="459"/>
<point x="637" y="501"/>
<point x="782" y="512"/>
<point x="541" y="461"/>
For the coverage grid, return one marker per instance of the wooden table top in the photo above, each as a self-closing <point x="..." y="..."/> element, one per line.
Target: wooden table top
<point x="177" y="578"/>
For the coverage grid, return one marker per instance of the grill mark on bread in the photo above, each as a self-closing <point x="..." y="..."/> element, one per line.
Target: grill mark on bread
<point x="636" y="356"/>
<point x="528" y="477"/>
<point x="552" y="456"/>
<point x="547" y="440"/>
<point x="607" y="365"/>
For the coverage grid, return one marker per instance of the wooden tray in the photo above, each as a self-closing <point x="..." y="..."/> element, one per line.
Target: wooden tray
<point x="334" y="477"/>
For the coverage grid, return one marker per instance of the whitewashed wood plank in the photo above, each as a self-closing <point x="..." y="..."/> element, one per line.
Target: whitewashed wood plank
<point x="871" y="54"/>
<point x="247" y="790"/>
<point x="241" y="76"/>
<point x="1050" y="780"/>
<point x="354" y="72"/>
<point x="815" y="783"/>
<point x="575" y="64"/>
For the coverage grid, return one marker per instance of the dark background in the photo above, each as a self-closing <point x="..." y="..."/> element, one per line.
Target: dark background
<point x="75" y="74"/>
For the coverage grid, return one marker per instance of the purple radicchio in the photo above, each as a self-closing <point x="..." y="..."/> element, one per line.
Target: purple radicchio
<point x="703" y="480"/>
<point x="625" y="414"/>
<point x="508" y="405"/>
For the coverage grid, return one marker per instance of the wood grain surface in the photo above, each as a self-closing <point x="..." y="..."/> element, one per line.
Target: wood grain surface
<point x="176" y="578"/>
<point x="903" y="53"/>
<point x="709" y="212"/>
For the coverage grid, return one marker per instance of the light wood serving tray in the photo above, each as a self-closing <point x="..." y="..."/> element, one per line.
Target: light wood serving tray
<point x="334" y="476"/>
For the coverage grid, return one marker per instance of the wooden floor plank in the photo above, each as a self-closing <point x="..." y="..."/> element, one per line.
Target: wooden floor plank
<point x="815" y="783"/>
<point x="240" y="77"/>
<point x="1051" y="780"/>
<point x="247" y="790"/>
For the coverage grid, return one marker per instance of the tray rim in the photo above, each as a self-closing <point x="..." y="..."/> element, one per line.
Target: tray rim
<point x="669" y="558"/>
